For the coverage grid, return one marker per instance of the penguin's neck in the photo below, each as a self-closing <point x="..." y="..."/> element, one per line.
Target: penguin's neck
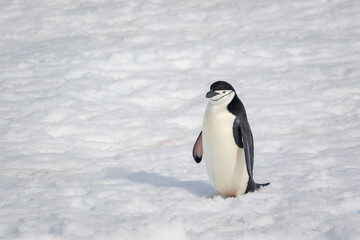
<point x="213" y="109"/>
<point x="217" y="117"/>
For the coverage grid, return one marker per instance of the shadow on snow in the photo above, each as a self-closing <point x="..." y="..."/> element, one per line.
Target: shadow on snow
<point x="197" y="188"/>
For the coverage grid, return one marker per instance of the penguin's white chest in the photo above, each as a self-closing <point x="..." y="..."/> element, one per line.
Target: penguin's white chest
<point x="224" y="160"/>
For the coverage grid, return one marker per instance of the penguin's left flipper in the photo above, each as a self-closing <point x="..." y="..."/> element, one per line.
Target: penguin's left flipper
<point x="244" y="139"/>
<point x="198" y="149"/>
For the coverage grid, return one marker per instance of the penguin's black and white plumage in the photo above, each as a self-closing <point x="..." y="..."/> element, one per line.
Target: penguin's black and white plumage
<point x="226" y="142"/>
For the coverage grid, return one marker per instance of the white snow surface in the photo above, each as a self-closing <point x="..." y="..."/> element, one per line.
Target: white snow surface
<point x="102" y="101"/>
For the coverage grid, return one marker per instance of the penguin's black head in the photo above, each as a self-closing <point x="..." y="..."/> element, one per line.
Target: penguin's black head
<point x="220" y="91"/>
<point x="221" y="85"/>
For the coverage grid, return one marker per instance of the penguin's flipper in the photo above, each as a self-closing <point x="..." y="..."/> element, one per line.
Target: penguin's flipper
<point x="244" y="139"/>
<point x="198" y="149"/>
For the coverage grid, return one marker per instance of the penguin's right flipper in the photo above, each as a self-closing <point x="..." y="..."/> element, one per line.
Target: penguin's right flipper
<point x="198" y="149"/>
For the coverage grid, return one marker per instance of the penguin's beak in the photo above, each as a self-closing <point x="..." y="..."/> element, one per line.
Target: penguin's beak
<point x="211" y="94"/>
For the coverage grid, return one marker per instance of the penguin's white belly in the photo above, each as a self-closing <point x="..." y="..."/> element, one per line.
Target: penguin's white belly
<point x="224" y="160"/>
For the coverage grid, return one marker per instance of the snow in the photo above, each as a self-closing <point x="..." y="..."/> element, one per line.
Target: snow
<point x="102" y="101"/>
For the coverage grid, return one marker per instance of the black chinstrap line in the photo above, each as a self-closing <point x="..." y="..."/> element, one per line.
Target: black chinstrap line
<point x="222" y="96"/>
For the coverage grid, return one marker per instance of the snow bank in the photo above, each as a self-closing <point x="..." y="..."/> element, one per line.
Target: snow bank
<point x="101" y="102"/>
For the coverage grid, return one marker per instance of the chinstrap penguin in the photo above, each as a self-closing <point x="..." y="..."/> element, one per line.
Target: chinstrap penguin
<point x="226" y="143"/>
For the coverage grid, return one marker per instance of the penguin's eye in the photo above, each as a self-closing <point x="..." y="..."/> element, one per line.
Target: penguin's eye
<point x="224" y="91"/>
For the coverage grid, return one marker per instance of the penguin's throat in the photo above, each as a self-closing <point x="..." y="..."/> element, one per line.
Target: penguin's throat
<point x="223" y="100"/>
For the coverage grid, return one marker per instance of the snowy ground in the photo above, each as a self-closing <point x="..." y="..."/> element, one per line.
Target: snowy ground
<point x="101" y="102"/>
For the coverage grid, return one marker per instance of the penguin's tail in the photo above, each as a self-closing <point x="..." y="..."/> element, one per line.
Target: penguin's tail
<point x="253" y="186"/>
<point x="259" y="185"/>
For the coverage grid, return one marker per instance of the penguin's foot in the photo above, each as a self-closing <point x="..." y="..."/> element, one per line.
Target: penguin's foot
<point x="224" y="196"/>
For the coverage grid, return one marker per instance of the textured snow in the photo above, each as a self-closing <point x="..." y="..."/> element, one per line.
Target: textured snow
<point x="102" y="101"/>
